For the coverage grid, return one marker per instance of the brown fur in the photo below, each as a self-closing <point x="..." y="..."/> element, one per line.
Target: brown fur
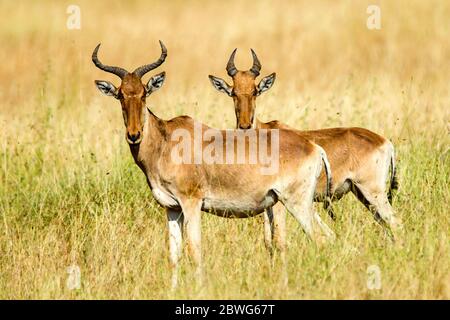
<point x="131" y="92"/>
<point x="244" y="98"/>
<point x="357" y="156"/>
<point x="229" y="190"/>
<point x="347" y="149"/>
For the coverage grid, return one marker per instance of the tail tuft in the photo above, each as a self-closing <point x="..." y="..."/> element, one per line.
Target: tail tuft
<point x="328" y="192"/>
<point x="393" y="184"/>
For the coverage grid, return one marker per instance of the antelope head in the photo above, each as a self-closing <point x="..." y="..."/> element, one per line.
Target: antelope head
<point x="244" y="89"/>
<point x="132" y="92"/>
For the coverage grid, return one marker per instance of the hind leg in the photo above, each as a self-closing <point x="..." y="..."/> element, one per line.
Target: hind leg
<point x="303" y="211"/>
<point x="369" y="185"/>
<point x="377" y="202"/>
<point x="298" y="197"/>
<point x="327" y="205"/>
<point x="323" y="226"/>
<point x="330" y="212"/>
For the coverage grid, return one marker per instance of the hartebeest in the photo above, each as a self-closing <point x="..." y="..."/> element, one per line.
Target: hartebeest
<point x="230" y="190"/>
<point x="360" y="159"/>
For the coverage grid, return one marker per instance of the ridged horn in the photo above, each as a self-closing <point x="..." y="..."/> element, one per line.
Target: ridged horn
<point x="148" y="67"/>
<point x="115" y="70"/>
<point x="256" y="64"/>
<point x="231" y="68"/>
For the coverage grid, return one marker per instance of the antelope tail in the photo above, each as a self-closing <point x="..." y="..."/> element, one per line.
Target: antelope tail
<point x="328" y="193"/>
<point x="393" y="183"/>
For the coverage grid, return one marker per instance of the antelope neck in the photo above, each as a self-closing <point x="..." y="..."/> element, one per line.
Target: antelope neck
<point x="154" y="136"/>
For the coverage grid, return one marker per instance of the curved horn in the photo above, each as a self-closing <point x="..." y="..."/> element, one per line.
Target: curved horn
<point x="146" y="68"/>
<point x="256" y="64"/>
<point x="115" y="70"/>
<point x="231" y="69"/>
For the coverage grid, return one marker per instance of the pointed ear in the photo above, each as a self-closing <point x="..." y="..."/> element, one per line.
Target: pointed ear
<point x="155" y="82"/>
<point x="107" y="88"/>
<point x="221" y="85"/>
<point x="265" y="83"/>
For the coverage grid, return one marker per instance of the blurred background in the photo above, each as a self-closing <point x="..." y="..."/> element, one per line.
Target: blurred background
<point x="331" y="69"/>
<point x="70" y="193"/>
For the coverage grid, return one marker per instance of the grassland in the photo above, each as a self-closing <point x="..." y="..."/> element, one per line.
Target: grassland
<point x="70" y="193"/>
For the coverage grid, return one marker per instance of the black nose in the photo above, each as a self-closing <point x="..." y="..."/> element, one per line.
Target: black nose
<point x="245" y="126"/>
<point x="134" y="137"/>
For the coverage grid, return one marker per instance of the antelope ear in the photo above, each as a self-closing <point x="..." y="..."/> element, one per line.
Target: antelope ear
<point x="107" y="88"/>
<point x="221" y="85"/>
<point x="265" y="83"/>
<point x="155" y="82"/>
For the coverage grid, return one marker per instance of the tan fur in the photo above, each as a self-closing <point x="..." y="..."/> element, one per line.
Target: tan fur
<point x="244" y="98"/>
<point x="194" y="186"/>
<point x="359" y="160"/>
<point x="229" y="190"/>
<point x="131" y="92"/>
<point x="349" y="150"/>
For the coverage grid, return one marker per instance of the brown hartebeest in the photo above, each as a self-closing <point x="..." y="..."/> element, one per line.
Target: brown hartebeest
<point x="360" y="159"/>
<point x="233" y="189"/>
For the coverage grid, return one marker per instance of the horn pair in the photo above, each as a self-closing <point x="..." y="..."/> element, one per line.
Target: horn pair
<point x="118" y="71"/>
<point x="231" y="68"/>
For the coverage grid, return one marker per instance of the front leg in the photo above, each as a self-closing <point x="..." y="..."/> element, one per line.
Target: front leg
<point x="275" y="236"/>
<point x="279" y="226"/>
<point x="268" y="229"/>
<point x="175" y="224"/>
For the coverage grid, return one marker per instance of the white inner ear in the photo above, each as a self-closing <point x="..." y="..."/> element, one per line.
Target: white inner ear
<point x="155" y="83"/>
<point x="106" y="88"/>
<point x="221" y="85"/>
<point x="265" y="84"/>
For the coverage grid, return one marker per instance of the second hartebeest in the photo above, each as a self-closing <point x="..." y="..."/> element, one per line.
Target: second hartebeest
<point x="231" y="189"/>
<point x="360" y="159"/>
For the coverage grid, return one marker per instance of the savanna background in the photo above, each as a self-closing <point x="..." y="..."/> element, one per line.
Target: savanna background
<point x="71" y="195"/>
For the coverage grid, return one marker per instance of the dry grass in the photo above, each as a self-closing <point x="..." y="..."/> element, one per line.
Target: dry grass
<point x="70" y="193"/>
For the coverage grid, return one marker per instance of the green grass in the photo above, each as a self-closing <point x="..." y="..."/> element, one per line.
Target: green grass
<point x="70" y="193"/>
<point x="100" y="216"/>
